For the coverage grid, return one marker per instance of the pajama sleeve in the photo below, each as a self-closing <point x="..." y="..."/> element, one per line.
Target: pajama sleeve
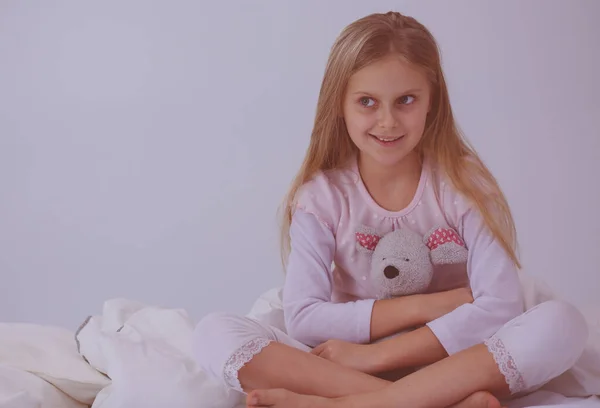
<point x="496" y="287"/>
<point x="310" y="316"/>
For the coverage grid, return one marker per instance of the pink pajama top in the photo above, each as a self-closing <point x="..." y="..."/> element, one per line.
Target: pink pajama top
<point x="327" y="293"/>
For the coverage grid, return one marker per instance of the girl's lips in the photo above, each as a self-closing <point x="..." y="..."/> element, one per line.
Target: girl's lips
<point x="387" y="140"/>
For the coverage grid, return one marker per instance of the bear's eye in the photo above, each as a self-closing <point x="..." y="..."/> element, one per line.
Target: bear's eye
<point x="407" y="260"/>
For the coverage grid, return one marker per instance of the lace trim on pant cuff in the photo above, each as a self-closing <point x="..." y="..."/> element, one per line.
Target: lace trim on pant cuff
<point x="240" y="358"/>
<point x="506" y="364"/>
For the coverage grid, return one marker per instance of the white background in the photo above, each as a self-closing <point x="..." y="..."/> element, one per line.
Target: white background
<point x="145" y="146"/>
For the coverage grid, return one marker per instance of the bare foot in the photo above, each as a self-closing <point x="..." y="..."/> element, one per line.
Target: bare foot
<point x="280" y="398"/>
<point x="480" y="399"/>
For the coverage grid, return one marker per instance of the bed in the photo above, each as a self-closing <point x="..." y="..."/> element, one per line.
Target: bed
<point x="137" y="355"/>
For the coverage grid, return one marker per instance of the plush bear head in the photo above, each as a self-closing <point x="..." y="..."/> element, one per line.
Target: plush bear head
<point x="403" y="261"/>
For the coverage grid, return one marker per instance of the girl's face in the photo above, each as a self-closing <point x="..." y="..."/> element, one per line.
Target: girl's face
<point x="385" y="109"/>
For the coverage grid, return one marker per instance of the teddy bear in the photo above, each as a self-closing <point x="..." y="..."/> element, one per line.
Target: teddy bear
<point x="402" y="261"/>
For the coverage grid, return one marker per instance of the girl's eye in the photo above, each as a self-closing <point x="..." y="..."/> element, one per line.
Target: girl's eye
<point x="366" y="102"/>
<point x="407" y="99"/>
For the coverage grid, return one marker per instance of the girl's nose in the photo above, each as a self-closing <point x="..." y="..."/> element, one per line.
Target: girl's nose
<point x="386" y="119"/>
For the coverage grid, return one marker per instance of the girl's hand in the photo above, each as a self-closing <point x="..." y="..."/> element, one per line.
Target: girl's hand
<point x="359" y="357"/>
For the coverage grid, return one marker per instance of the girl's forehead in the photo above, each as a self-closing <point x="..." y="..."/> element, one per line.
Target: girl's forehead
<point x="391" y="74"/>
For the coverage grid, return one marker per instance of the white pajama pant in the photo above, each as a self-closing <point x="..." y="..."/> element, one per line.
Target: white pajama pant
<point x="530" y="350"/>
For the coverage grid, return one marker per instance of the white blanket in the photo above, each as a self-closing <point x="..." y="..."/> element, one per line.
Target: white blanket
<point x="131" y="355"/>
<point x="146" y="351"/>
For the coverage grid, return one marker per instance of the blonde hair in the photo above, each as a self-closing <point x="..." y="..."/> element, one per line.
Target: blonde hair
<point x="363" y="42"/>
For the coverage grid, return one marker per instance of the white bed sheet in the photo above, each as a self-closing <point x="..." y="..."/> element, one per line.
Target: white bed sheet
<point x="41" y="368"/>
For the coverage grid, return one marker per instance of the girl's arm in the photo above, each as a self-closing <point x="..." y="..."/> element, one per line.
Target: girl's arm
<point x="391" y="316"/>
<point x="312" y="318"/>
<point x="498" y="299"/>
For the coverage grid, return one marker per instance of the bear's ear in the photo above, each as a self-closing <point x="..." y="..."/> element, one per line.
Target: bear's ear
<point x="366" y="239"/>
<point x="446" y="246"/>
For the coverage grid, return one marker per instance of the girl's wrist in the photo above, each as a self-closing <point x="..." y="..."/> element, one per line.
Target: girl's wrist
<point x="431" y="305"/>
<point x="423" y="309"/>
<point x="435" y="305"/>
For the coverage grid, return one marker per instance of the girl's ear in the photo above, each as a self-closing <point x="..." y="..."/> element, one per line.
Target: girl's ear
<point x="445" y="246"/>
<point x="366" y="239"/>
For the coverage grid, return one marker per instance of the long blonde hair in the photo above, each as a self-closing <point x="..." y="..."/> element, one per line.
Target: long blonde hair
<point x="364" y="42"/>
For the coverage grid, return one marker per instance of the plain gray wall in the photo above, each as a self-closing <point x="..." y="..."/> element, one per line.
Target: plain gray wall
<point x="145" y="146"/>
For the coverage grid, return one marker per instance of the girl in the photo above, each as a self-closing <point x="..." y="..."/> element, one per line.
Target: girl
<point x="384" y="154"/>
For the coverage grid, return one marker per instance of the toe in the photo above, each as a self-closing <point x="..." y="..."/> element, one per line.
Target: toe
<point x="264" y="398"/>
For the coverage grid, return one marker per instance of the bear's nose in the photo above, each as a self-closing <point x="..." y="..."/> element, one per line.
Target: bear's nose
<point x="391" y="272"/>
